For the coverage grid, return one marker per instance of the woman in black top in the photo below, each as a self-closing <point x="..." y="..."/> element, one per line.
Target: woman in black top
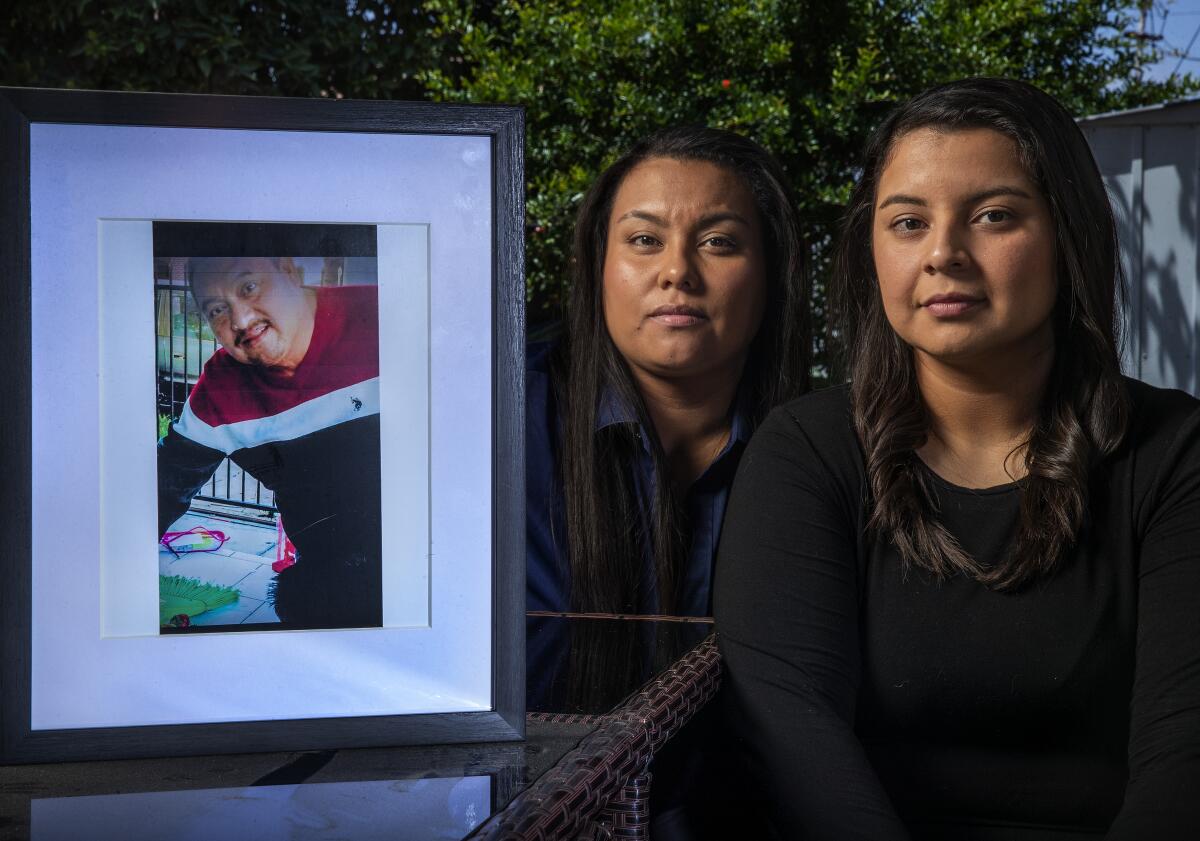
<point x="960" y="598"/>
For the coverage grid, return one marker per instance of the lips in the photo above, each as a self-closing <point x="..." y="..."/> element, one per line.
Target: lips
<point x="253" y="334"/>
<point x="952" y="304"/>
<point x="678" y="315"/>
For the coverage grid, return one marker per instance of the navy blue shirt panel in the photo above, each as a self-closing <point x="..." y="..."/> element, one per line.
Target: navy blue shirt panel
<point x="547" y="581"/>
<point x="548" y="584"/>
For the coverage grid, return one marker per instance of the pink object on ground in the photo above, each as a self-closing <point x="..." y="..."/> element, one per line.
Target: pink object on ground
<point x="195" y="539"/>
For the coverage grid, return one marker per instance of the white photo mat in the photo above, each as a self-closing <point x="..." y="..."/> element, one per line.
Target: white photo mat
<point x="94" y="191"/>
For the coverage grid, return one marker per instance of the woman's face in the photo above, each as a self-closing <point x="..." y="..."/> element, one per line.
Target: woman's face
<point x="684" y="271"/>
<point x="964" y="249"/>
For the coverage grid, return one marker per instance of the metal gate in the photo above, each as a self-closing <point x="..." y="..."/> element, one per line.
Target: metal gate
<point x="185" y="343"/>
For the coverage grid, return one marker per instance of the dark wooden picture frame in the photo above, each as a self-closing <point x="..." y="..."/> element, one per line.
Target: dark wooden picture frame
<point x="503" y="126"/>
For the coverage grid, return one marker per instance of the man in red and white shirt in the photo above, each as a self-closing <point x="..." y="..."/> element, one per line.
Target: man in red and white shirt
<point x="291" y="397"/>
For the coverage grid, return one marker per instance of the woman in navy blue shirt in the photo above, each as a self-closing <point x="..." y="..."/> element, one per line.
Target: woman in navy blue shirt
<point x="687" y="321"/>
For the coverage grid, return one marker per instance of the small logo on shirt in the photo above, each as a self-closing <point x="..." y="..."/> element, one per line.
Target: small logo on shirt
<point x="357" y="403"/>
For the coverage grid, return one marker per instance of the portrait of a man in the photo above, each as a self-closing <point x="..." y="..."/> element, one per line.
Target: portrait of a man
<point x="289" y="396"/>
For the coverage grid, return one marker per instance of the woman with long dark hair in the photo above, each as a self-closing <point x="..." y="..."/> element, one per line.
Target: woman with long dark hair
<point x="958" y="598"/>
<point x="687" y="321"/>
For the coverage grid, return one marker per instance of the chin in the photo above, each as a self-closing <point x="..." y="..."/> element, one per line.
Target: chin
<point x="964" y="354"/>
<point x="691" y="368"/>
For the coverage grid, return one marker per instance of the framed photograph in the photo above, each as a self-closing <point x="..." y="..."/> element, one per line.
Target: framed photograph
<point x="262" y="438"/>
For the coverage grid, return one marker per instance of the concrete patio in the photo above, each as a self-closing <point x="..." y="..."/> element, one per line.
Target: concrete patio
<point x="243" y="562"/>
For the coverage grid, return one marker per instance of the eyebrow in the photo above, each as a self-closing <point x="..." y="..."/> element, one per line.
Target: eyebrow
<point x="991" y="193"/>
<point x="709" y="219"/>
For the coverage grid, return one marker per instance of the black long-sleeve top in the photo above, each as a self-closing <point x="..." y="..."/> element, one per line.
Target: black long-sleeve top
<point x="877" y="703"/>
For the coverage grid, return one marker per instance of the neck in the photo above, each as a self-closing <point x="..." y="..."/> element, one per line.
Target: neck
<point x="981" y="415"/>
<point x="692" y="418"/>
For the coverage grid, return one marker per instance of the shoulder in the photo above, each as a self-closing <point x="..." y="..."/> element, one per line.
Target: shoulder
<point x="1162" y="444"/>
<point x="541" y="413"/>
<point x="539" y="392"/>
<point x="810" y="439"/>
<point x="345" y="333"/>
<point x="354" y="304"/>
<point x="222" y="382"/>
<point x="546" y="582"/>
<point x="820" y="421"/>
<point x="826" y="410"/>
<point x="365" y="294"/>
<point x="1158" y="415"/>
<point x="1164" y="425"/>
<point x="538" y="355"/>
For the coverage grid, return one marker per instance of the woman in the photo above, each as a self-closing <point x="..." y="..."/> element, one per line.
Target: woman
<point x="687" y="321"/>
<point x="958" y="598"/>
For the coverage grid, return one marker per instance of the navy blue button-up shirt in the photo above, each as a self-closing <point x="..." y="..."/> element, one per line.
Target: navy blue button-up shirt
<point x="548" y="584"/>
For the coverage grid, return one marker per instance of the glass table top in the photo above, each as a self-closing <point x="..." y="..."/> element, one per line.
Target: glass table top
<point x="577" y="668"/>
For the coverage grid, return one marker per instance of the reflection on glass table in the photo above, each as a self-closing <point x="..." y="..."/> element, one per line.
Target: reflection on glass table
<point x="587" y="665"/>
<point x="396" y="810"/>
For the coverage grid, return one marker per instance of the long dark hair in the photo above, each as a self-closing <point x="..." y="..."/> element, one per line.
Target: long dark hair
<point x="1084" y="411"/>
<point x="607" y="530"/>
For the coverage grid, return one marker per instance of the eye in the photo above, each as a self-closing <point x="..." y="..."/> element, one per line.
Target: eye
<point x="720" y="242"/>
<point x="908" y="225"/>
<point x="215" y="311"/>
<point x="643" y="241"/>
<point x="995" y="217"/>
<point x="249" y="287"/>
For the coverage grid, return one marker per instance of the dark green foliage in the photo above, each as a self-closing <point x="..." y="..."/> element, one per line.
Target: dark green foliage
<point x="806" y="79"/>
<point x="361" y="48"/>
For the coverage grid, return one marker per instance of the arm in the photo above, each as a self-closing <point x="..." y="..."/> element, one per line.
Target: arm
<point x="1162" y="797"/>
<point x="183" y="468"/>
<point x="787" y="616"/>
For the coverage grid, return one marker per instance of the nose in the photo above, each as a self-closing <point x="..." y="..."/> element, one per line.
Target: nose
<point x="678" y="268"/>
<point x="948" y="252"/>
<point x="241" y="315"/>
